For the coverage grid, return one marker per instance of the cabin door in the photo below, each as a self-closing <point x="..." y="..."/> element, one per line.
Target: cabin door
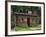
<point x="28" y="21"/>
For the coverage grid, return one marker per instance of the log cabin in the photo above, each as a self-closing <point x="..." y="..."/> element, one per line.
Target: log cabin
<point x="25" y="19"/>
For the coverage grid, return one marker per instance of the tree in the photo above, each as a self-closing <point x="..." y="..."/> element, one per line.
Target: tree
<point x="25" y="9"/>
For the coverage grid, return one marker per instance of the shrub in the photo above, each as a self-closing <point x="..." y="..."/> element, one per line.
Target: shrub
<point x="23" y="25"/>
<point x="35" y="24"/>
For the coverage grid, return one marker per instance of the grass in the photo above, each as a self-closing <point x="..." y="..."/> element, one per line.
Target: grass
<point x="23" y="28"/>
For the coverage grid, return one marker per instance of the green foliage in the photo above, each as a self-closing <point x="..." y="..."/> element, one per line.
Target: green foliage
<point x="23" y="25"/>
<point x="25" y="8"/>
<point x="18" y="28"/>
<point x="35" y="25"/>
<point x="24" y="28"/>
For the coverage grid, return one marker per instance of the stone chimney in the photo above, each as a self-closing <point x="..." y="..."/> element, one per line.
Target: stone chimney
<point x="29" y="12"/>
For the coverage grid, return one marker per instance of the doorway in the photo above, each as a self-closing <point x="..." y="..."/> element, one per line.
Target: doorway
<point x="28" y="21"/>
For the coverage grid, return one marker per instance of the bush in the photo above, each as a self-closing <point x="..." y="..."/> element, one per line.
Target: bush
<point x="35" y="24"/>
<point x="23" y="25"/>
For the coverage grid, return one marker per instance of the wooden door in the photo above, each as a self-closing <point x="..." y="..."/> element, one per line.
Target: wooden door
<point x="28" y="21"/>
